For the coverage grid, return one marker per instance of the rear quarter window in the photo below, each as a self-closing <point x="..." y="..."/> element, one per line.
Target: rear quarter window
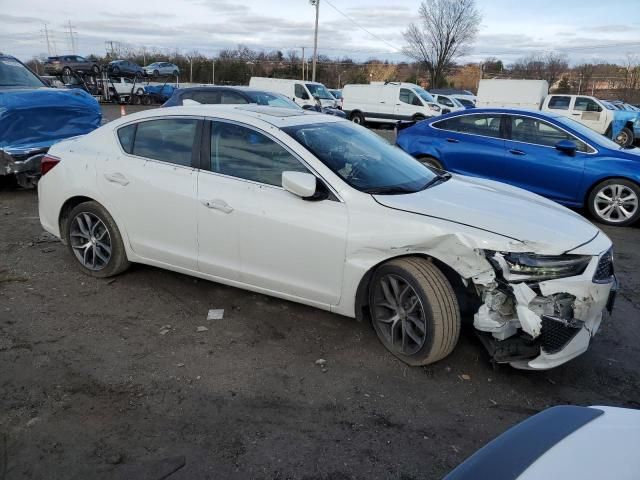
<point x="125" y="136"/>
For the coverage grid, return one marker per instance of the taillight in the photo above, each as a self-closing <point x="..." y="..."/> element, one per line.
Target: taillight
<point x="47" y="163"/>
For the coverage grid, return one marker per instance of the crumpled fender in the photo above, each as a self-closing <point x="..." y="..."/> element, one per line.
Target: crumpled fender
<point x="620" y="119"/>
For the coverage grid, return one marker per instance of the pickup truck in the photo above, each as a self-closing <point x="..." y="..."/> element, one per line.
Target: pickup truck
<point x="124" y="87"/>
<point x="599" y="115"/>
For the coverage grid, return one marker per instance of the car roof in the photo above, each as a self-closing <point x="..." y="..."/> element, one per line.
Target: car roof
<point x="214" y="88"/>
<point x="278" y="117"/>
<point x="510" y="111"/>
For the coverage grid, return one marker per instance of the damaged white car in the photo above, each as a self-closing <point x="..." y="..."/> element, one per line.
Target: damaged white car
<point x="317" y="210"/>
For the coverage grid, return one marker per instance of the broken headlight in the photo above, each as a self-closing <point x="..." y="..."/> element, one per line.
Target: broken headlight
<point x="528" y="266"/>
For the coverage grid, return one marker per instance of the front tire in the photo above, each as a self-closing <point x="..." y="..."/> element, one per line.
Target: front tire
<point x="94" y="240"/>
<point x="414" y="310"/>
<point x="625" y="138"/>
<point x="156" y="73"/>
<point x="357" y="118"/>
<point x="615" y="202"/>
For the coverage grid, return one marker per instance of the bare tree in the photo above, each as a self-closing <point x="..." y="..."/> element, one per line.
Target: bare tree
<point x="447" y="30"/>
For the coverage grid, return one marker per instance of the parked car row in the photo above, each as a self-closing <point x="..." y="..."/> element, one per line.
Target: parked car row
<point x="66" y="65"/>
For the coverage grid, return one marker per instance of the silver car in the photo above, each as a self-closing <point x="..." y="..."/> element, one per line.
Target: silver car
<point x="161" y="68"/>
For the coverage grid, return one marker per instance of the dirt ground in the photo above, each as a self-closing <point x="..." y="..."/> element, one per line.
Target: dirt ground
<point x="91" y="388"/>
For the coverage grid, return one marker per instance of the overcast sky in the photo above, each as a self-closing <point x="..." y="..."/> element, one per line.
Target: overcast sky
<point x="509" y="29"/>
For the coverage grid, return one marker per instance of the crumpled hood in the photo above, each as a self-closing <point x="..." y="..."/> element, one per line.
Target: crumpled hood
<point x="543" y="225"/>
<point x="39" y="117"/>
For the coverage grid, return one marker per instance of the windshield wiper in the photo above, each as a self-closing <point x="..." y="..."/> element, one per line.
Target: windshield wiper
<point x="387" y="190"/>
<point x="439" y="178"/>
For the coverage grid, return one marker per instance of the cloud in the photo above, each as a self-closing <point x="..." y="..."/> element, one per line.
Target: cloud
<point x="611" y="28"/>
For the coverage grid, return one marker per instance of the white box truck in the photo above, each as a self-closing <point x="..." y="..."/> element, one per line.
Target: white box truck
<point x="387" y="102"/>
<point x="301" y="92"/>
<point x="528" y="94"/>
<point x="592" y="112"/>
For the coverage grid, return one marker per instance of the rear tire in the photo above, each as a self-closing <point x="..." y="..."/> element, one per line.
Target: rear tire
<point x="94" y="240"/>
<point x="414" y="310"/>
<point x="615" y="202"/>
<point x="357" y="118"/>
<point x="418" y="117"/>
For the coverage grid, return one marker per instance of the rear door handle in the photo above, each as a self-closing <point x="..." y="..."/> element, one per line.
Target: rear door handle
<point x="116" y="177"/>
<point x="452" y="140"/>
<point x="218" y="204"/>
<point x="515" y="151"/>
<point x="577" y="114"/>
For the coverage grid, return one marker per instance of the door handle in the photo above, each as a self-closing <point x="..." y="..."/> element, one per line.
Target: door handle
<point x="517" y="152"/>
<point x="452" y="140"/>
<point x="218" y="204"/>
<point x="383" y="101"/>
<point x="577" y="114"/>
<point x="117" y="177"/>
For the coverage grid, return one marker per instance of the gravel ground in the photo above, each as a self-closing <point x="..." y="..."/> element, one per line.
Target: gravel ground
<point x="90" y="387"/>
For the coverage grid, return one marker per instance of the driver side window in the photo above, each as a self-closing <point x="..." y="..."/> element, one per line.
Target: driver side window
<point x="300" y="92"/>
<point x="245" y="153"/>
<point x="407" y="96"/>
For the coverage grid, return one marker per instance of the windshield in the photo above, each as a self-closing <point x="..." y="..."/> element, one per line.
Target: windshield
<point x="422" y="93"/>
<point x="608" y="106"/>
<point x="14" y="74"/>
<point x="362" y="159"/>
<point x="336" y="94"/>
<point x="587" y="133"/>
<point x="319" y="90"/>
<point x="264" y="98"/>
<point x="456" y="102"/>
<point x="465" y="102"/>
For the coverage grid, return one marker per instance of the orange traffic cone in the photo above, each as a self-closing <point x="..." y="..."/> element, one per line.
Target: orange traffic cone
<point x="123" y="112"/>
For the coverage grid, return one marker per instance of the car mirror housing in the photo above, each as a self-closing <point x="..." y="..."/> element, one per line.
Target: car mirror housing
<point x="567" y="146"/>
<point x="300" y="184"/>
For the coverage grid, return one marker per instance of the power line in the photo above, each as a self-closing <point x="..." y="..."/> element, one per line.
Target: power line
<point x="360" y="26"/>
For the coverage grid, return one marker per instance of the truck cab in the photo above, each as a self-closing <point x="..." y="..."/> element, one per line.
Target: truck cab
<point x="596" y="114"/>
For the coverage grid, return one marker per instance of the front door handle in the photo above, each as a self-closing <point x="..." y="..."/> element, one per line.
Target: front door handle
<point x="515" y="151"/>
<point x="452" y="140"/>
<point x="116" y="177"/>
<point x="218" y="204"/>
<point x="577" y="114"/>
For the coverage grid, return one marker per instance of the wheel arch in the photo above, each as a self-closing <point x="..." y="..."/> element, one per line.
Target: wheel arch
<point x="465" y="300"/>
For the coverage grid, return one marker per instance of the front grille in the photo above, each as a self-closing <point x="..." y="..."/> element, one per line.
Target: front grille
<point x="604" y="271"/>
<point x="555" y="335"/>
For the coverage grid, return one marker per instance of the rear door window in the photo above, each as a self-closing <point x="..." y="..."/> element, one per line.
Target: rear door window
<point x="232" y="98"/>
<point x="558" y="102"/>
<point x="168" y="140"/>
<point x="483" y="125"/>
<point x="207" y="98"/>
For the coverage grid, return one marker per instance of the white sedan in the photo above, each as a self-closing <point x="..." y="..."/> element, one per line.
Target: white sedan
<point x="317" y="210"/>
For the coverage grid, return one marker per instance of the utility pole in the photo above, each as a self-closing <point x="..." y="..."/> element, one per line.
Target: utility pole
<point x="46" y="36"/>
<point x="303" y="78"/>
<point x="72" y="41"/>
<point x="315" y="40"/>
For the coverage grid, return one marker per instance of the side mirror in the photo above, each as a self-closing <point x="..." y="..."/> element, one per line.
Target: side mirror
<point x="567" y="146"/>
<point x="301" y="184"/>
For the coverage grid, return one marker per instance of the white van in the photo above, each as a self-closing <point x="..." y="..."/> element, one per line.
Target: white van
<point x="303" y="93"/>
<point x="387" y="102"/>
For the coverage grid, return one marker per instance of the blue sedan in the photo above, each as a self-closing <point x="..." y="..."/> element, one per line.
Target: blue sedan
<point x="552" y="156"/>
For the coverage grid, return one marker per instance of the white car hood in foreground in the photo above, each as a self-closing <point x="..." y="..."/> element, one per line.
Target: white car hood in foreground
<point x="543" y="225"/>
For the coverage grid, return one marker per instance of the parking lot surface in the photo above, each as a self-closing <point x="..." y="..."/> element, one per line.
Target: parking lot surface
<point x="112" y="379"/>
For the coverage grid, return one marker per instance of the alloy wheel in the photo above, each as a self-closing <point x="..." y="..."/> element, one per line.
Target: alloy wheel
<point x="399" y="314"/>
<point x="90" y="241"/>
<point x="616" y="203"/>
<point x="622" y="138"/>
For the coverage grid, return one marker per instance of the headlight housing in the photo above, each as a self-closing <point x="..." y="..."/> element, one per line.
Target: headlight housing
<point x="529" y="266"/>
<point x="434" y="107"/>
